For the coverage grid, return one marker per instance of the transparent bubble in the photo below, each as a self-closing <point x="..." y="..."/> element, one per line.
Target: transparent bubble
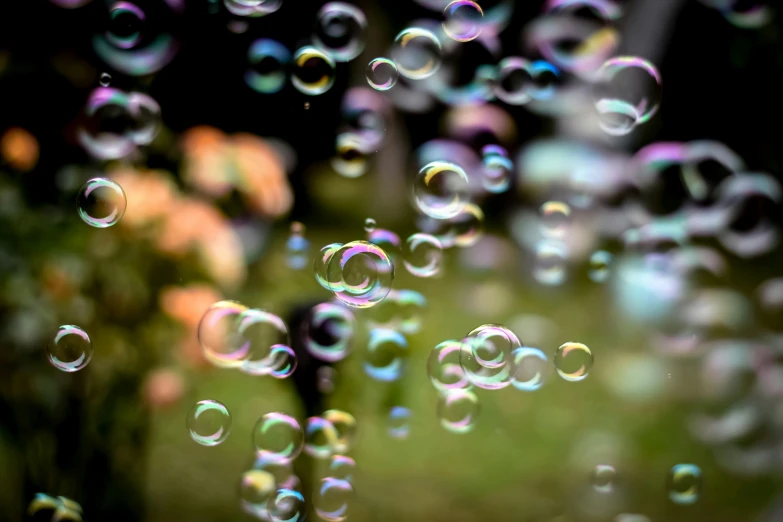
<point x="519" y="81"/>
<point x="287" y="505"/>
<point x="551" y="263"/>
<point x="530" y="367"/>
<point x="399" y="422"/>
<point x="321" y="264"/>
<point x="573" y="361"/>
<point x="340" y="31"/>
<point x="423" y="256"/>
<point x="264" y="340"/>
<point x="684" y="484"/>
<point x="209" y="423"/>
<point x="616" y="117"/>
<point x="603" y="478"/>
<point x="458" y="410"/>
<point x="400" y="311"/>
<point x="331" y="499"/>
<point x="278" y="434"/>
<point x="441" y="189"/>
<point x="486" y="356"/>
<point x="389" y="242"/>
<point x="283" y="361"/>
<point x="600" y="264"/>
<point x="417" y="53"/>
<point x="463" y="230"/>
<point x="382" y="74"/>
<point x="314" y="71"/>
<point x="218" y="334"/>
<point x="496" y="172"/>
<point x="342" y="467"/>
<point x="105" y="80"/>
<point x="360" y="274"/>
<point x="369" y="225"/>
<point x="280" y="468"/>
<point x="252" y="8"/>
<point x="71" y="349"/>
<point x="268" y="63"/>
<point x="345" y="424"/>
<point x="352" y="154"/>
<point x="101" y="202"/>
<point x="256" y="488"/>
<point x="463" y="20"/>
<point x="386" y="354"/>
<point x="555" y="219"/>
<point x="126" y="23"/>
<point x="628" y="81"/>
<point x="297" y="247"/>
<point x="329" y="332"/>
<point x="321" y="438"/>
<point x="444" y="368"/>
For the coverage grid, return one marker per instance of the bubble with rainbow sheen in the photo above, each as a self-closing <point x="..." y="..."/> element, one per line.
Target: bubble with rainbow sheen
<point x="441" y="189"/>
<point x="219" y="337"/>
<point x="550" y="266"/>
<point x="284" y="361"/>
<point x="252" y="8"/>
<point x="616" y="117"/>
<point x="573" y="361"/>
<point x="600" y="266"/>
<point x="369" y="225"/>
<point x="386" y="354"/>
<point x="321" y="438"/>
<point x="530" y="367"/>
<point x="280" y="468"/>
<point x="399" y="422"/>
<point x="264" y="340"/>
<point x="486" y="356"/>
<point x="71" y="349"/>
<point x="126" y="23"/>
<point x="458" y="410"/>
<point x="268" y="63"/>
<point x="209" y="423"/>
<point x="463" y="20"/>
<point x="389" y="242"/>
<point x="332" y="499"/>
<point x="603" y="478"/>
<point x="684" y="484"/>
<point x="496" y="172"/>
<point x="555" y="219"/>
<point x="417" y="53"/>
<point x="360" y="274"/>
<point x="423" y="255"/>
<point x="444" y="368"/>
<point x="341" y="467"/>
<point x="287" y="505"/>
<point x="321" y="264"/>
<point x="313" y="72"/>
<point x="345" y="424"/>
<point x="256" y="488"/>
<point x="278" y="434"/>
<point x="382" y="74"/>
<point x="352" y="154"/>
<point x="633" y="81"/>
<point x="329" y="332"/>
<point x="463" y="230"/>
<point x="340" y="31"/>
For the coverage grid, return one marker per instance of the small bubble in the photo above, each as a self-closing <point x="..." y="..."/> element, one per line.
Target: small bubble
<point x="314" y="72"/>
<point x="423" y="256"/>
<point x="573" y="361"/>
<point x="101" y="203"/>
<point x="279" y="435"/>
<point x="440" y="189"/>
<point x="399" y="422"/>
<point x="332" y="498"/>
<point x="320" y="438"/>
<point x="386" y="355"/>
<point x="105" y="79"/>
<point x="307" y="106"/>
<point x="71" y="349"/>
<point x="287" y="506"/>
<point x="369" y="225"/>
<point x="457" y="410"/>
<point x="600" y="262"/>
<point x="382" y="74"/>
<point x="555" y="218"/>
<point x="329" y="332"/>
<point x="684" y="484"/>
<point x="603" y="478"/>
<point x="209" y="423"/>
<point x="345" y="424"/>
<point x="342" y="467"/>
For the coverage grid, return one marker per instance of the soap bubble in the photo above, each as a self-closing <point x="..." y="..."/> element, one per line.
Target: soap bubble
<point x="297" y="247"/>
<point x="555" y="218"/>
<point x="352" y="154"/>
<point x="441" y="189"/>
<point x="321" y="265"/>
<point x="458" y="410"/>
<point x="354" y="275"/>
<point x="209" y="423"/>
<point x="399" y="422"/>
<point x="256" y="488"/>
<point x="573" y="361"/>
<point x="444" y="368"/>
<point x="105" y="79"/>
<point x="486" y="356"/>
<point x="345" y="424"/>
<point x="71" y="349"/>
<point x="101" y="202"/>
<point x="550" y="265"/>
<point x="314" y="71"/>
<point x="329" y="332"/>
<point x="684" y="484"/>
<point x="382" y="74"/>
<point x="339" y="31"/>
<point x="278" y="434"/>
<point x="600" y="263"/>
<point x="342" y="467"/>
<point x="603" y="478"/>
<point x="268" y="63"/>
<point x="423" y="255"/>
<point x="529" y="368"/>
<point x="320" y="438"/>
<point x="463" y="20"/>
<point x="417" y="53"/>
<point x="386" y="354"/>
<point x="283" y="362"/>
<point x="252" y="8"/>
<point x="287" y="505"/>
<point x="631" y="87"/>
<point x="369" y="225"/>
<point x="496" y="173"/>
<point x="331" y="499"/>
<point x="264" y="340"/>
<point x="218" y="334"/>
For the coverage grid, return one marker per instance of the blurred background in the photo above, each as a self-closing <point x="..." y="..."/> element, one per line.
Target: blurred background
<point x="631" y="204"/>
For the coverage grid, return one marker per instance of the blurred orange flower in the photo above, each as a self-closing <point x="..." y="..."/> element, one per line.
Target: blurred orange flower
<point x="163" y="387"/>
<point x="19" y="148"/>
<point x="188" y="305"/>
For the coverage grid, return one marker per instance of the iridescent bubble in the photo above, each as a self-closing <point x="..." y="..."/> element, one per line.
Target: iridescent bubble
<point x="684" y="484"/>
<point x="105" y="80"/>
<point x="411" y="305"/>
<point x="352" y="154"/>
<point x="463" y="230"/>
<point x="382" y="74"/>
<point x="71" y="349"/>
<point x="529" y="368"/>
<point x="496" y="173"/>
<point x="519" y="81"/>
<point x="126" y="22"/>
<point x="252" y="8"/>
<point x="345" y="424"/>
<point x="603" y="478"/>
<point x="386" y="354"/>
<point x="444" y="368"/>
<point x="423" y="256"/>
<point x="278" y="434"/>
<point x="360" y="274"/>
<point x="280" y="468"/>
<point x="283" y="361"/>
<point x="369" y="225"/>
<point x="331" y="499"/>
<point x="389" y="242"/>
<point x="555" y="219"/>
<point x="633" y="81"/>
<point x="321" y="264"/>
<point x="314" y="71"/>
<point x="297" y="247"/>
<point x="342" y="467"/>
<point x="329" y="332"/>
<point x="486" y="356"/>
<point x="417" y="53"/>
<point x="101" y="202"/>
<point x="287" y="505"/>
<point x="339" y="31"/>
<point x="320" y="438"/>
<point x="600" y="264"/>
<point x="550" y="266"/>
<point x="463" y="20"/>
<point x="209" y="423"/>
<point x="616" y="117"/>
<point x="573" y="361"/>
<point x="218" y="334"/>
<point x="399" y="422"/>
<point x="458" y="410"/>
<point x="266" y="340"/>
<point x="256" y="488"/>
<point x="268" y="66"/>
<point x="441" y="189"/>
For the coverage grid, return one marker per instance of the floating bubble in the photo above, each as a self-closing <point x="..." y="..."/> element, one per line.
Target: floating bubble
<point x="252" y="8"/>
<point x="529" y="368"/>
<point x="101" y="202"/>
<point x="550" y="267"/>
<point x="417" y="53"/>
<point x="441" y="189"/>
<point x="410" y="304"/>
<point x="444" y="368"/>
<point x="629" y="81"/>
<point x="280" y="468"/>
<point x="331" y="499"/>
<point x="345" y="424"/>
<point x="321" y="438"/>
<point x="297" y="247"/>
<point x="218" y="333"/>
<point x="360" y="274"/>
<point x="382" y="74"/>
<point x="423" y="255"/>
<point x="126" y="22"/>
<point x="389" y="242"/>
<point x="463" y="20"/>
<point x="265" y="340"/>
<point x="268" y="66"/>
<point x="616" y="117"/>
<point x="287" y="505"/>
<point x="71" y="349"/>
<point x="386" y="354"/>
<point x="519" y="81"/>
<point x="600" y="264"/>
<point x="486" y="356"/>
<point x="496" y="173"/>
<point x="105" y="80"/>
<point x="352" y="154"/>
<point x="209" y="423"/>
<point x="369" y="225"/>
<point x="278" y="434"/>
<point x="329" y="332"/>
<point x="321" y="264"/>
<point x="342" y="467"/>
<point x="463" y="230"/>
<point x="555" y="219"/>
<point x="256" y="489"/>
<point x="458" y="410"/>
<point x="283" y="361"/>
<point x="684" y="484"/>
<point x="314" y="71"/>
<point x="339" y="31"/>
<point x="573" y="361"/>
<point x="603" y="478"/>
<point x="399" y="422"/>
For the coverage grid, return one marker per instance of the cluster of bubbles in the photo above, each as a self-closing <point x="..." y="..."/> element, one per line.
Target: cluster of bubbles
<point x="61" y="508"/>
<point x="684" y="483"/>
